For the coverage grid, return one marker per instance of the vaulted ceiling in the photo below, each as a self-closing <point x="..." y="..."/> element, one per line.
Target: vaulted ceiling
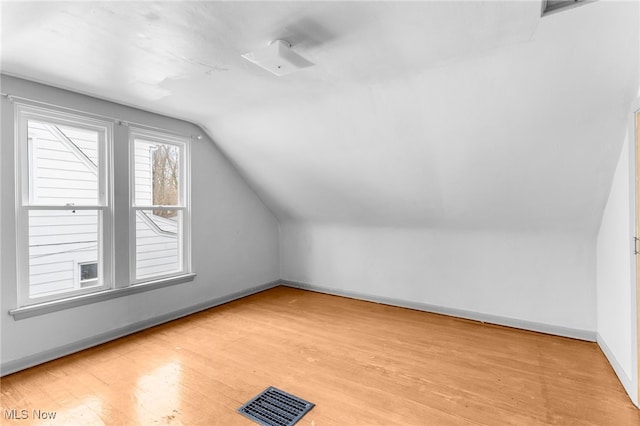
<point x="472" y="115"/>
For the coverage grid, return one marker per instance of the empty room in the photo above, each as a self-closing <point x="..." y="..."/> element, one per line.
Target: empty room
<point x="319" y="212"/>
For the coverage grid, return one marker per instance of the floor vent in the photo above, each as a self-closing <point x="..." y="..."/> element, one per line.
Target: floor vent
<point x="274" y="407"/>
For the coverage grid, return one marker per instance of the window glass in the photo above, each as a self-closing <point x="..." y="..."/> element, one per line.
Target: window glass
<point x="157" y="168"/>
<point x="88" y="273"/>
<point x="58" y="241"/>
<point x="63" y="214"/>
<point x="159" y="207"/>
<point x="158" y="242"/>
<point x="63" y="164"/>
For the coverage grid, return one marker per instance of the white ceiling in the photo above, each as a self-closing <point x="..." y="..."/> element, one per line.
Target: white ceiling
<point x="455" y="114"/>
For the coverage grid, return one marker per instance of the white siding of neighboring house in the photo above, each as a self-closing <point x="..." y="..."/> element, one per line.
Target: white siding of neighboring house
<point x="143" y="172"/>
<point x="60" y="240"/>
<point x="59" y="174"/>
<point x="156" y="253"/>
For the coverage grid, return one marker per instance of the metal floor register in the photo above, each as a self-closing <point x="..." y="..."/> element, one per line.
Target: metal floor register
<point x="274" y="407"/>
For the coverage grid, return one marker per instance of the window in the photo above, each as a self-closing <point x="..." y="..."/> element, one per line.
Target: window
<point x="65" y="215"/>
<point x="64" y="211"/>
<point x="88" y="273"/>
<point x="159" y="216"/>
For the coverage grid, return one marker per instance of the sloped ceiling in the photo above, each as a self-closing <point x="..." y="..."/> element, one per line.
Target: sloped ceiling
<point x="473" y="115"/>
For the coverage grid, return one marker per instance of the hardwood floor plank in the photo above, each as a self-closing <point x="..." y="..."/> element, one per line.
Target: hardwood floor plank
<point x="361" y="363"/>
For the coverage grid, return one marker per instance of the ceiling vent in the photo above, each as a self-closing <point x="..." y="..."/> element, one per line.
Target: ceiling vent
<point x="553" y="6"/>
<point x="278" y="58"/>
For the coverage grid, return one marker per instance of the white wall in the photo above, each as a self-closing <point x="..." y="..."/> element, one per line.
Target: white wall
<point x="544" y="281"/>
<point x="235" y="239"/>
<point x="616" y="290"/>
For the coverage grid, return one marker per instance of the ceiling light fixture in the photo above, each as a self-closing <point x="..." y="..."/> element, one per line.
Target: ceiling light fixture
<point x="278" y="58"/>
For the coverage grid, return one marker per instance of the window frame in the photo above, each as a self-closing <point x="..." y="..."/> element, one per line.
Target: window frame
<point x="114" y="226"/>
<point x="24" y="112"/>
<point x="183" y="206"/>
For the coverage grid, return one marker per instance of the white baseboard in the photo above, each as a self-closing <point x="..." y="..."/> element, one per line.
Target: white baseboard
<point x="556" y="330"/>
<point x="626" y="381"/>
<point x="51" y="354"/>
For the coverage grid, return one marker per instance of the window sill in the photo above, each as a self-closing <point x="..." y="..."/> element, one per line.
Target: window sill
<point x="85" y="299"/>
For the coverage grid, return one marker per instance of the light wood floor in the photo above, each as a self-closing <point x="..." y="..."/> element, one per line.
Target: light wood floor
<point x="361" y="363"/>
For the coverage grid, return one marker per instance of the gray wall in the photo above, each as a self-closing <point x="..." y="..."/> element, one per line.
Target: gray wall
<point x="534" y="280"/>
<point x="234" y="241"/>
<point x="616" y="278"/>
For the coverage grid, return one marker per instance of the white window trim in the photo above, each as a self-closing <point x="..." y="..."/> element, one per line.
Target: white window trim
<point x="111" y="289"/>
<point x="184" y="202"/>
<point x="104" y="208"/>
<point x="85" y="299"/>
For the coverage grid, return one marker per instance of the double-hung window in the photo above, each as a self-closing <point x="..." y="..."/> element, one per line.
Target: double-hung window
<point x="64" y="204"/>
<point x="68" y="226"/>
<point x="159" y="198"/>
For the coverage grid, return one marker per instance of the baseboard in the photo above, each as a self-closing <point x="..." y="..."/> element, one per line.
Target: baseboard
<point x="51" y="354"/>
<point x="626" y="381"/>
<point x="556" y="330"/>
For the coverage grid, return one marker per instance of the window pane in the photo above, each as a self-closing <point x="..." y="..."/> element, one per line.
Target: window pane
<point x="158" y="236"/>
<point x="156" y="173"/>
<point x="63" y="164"/>
<point x="60" y="240"/>
<point x="88" y="272"/>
